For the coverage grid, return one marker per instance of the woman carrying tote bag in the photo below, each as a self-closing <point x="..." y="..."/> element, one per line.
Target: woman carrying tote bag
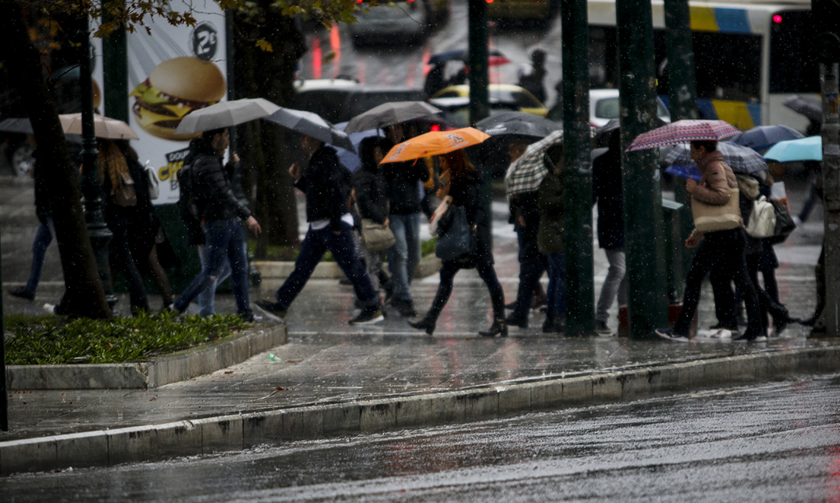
<point x="719" y="232"/>
<point x="463" y="187"/>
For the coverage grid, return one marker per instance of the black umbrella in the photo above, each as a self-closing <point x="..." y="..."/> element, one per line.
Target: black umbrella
<point x="518" y="124"/>
<point x="810" y="107"/>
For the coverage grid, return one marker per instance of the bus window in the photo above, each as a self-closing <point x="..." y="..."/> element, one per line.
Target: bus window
<point x="728" y="66"/>
<point x="793" y="67"/>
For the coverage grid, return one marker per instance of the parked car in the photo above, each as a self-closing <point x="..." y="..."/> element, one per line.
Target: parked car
<point x="603" y="106"/>
<point x="502" y="96"/>
<point x="402" y="22"/>
<point x="456" y="111"/>
<point x="340" y="100"/>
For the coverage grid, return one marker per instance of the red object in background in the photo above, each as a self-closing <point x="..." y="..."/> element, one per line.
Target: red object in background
<point x="777" y="18"/>
<point x="435" y="127"/>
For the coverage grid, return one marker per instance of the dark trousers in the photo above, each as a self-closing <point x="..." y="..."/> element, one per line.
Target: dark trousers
<point x="484" y="267"/>
<point x="121" y="261"/>
<point x="723" y="250"/>
<point x="532" y="265"/>
<point x="343" y="248"/>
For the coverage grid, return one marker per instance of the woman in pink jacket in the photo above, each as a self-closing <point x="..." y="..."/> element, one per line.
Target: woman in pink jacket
<point x="724" y="248"/>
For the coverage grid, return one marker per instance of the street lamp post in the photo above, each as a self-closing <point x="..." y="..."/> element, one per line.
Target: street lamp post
<point x="100" y="236"/>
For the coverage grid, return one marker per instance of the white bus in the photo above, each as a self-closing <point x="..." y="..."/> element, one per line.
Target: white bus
<point x="749" y="57"/>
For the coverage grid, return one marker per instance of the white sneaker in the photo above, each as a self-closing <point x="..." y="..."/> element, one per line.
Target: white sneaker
<point x="668" y="333"/>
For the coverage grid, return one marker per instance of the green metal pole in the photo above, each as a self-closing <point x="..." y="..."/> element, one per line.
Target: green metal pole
<point x="4" y="398"/>
<point x="577" y="175"/>
<point x="479" y="80"/>
<point x="827" y="43"/>
<point x="479" y="77"/>
<point x="115" y="72"/>
<point x="643" y="221"/>
<point x="682" y="98"/>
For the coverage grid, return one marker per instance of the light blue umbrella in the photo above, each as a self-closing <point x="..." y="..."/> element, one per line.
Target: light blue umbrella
<point x="803" y="149"/>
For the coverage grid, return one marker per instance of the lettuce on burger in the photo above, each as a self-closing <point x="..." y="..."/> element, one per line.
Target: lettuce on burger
<point x="175" y="88"/>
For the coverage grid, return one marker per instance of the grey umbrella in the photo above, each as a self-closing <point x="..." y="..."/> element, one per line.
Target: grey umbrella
<point x="809" y="106"/>
<point x="225" y="114"/>
<point x="388" y="114"/>
<point x="312" y="125"/>
<point x="71" y="124"/>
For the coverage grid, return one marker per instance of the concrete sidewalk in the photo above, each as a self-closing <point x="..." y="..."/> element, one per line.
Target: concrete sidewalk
<point x="335" y="379"/>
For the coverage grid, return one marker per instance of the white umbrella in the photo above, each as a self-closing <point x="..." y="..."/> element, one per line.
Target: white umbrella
<point x="104" y="127"/>
<point x="388" y="114"/>
<point x="311" y="124"/>
<point x="225" y="114"/>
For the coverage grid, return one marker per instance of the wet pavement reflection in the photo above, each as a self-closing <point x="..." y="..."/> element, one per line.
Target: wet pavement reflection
<point x="777" y="442"/>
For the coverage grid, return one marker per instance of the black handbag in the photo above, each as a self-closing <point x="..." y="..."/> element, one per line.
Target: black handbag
<point x="784" y="223"/>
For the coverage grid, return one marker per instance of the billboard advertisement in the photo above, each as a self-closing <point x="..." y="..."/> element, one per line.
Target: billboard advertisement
<point x="172" y="71"/>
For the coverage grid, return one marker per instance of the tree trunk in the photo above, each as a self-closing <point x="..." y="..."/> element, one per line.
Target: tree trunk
<point x="84" y="295"/>
<point x="270" y="75"/>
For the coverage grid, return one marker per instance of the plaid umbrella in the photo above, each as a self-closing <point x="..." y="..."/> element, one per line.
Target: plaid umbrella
<point x="527" y="172"/>
<point x="740" y="159"/>
<point x="683" y="132"/>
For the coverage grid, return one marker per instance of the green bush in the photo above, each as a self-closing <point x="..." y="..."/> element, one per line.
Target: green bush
<point x="50" y="340"/>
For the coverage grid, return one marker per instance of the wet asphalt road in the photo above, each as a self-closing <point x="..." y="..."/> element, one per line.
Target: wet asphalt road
<point x="778" y="442"/>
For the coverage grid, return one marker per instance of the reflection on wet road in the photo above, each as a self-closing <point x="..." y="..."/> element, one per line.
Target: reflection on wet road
<point x="778" y="442"/>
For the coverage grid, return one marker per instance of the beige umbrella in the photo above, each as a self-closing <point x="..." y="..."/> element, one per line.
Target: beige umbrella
<point x="104" y="127"/>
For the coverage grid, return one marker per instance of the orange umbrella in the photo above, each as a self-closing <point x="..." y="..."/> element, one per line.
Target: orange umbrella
<point x="435" y="143"/>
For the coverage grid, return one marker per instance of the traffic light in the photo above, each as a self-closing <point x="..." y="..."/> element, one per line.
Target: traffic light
<point x="826" y="16"/>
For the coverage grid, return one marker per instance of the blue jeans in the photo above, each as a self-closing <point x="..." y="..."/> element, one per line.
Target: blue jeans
<point x="225" y="242"/>
<point x="206" y="299"/>
<point x="343" y="248"/>
<point x="43" y="238"/>
<point x="556" y="294"/>
<point x="404" y="256"/>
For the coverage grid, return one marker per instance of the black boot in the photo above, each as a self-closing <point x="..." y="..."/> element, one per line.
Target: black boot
<point x="517" y="321"/>
<point x="427" y="323"/>
<point x="499" y="327"/>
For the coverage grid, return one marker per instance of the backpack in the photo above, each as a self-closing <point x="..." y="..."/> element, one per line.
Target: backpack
<point x="762" y="221"/>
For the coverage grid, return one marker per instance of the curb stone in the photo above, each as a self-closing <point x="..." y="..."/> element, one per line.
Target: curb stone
<point x="247" y="430"/>
<point x="150" y="374"/>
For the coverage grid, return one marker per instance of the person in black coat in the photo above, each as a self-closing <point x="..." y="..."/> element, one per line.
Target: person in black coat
<point x="370" y="191"/>
<point x="220" y="212"/>
<point x="330" y="228"/>
<point x="606" y="191"/>
<point x="463" y="187"/>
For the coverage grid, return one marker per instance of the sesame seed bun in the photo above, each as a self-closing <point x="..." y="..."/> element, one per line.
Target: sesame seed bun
<point x="190" y="79"/>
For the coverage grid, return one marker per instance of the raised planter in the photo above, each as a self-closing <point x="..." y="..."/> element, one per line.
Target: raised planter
<point x="156" y="372"/>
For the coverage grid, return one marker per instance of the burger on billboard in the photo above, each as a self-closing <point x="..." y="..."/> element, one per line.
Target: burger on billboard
<point x="175" y="88"/>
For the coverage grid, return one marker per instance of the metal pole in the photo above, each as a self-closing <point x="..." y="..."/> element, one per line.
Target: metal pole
<point x="115" y="72"/>
<point x="577" y="174"/>
<point x="831" y="197"/>
<point x="100" y="236"/>
<point x="643" y="227"/>
<point x="4" y="399"/>
<point x="231" y="70"/>
<point x="682" y="101"/>
<point x="479" y="80"/>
